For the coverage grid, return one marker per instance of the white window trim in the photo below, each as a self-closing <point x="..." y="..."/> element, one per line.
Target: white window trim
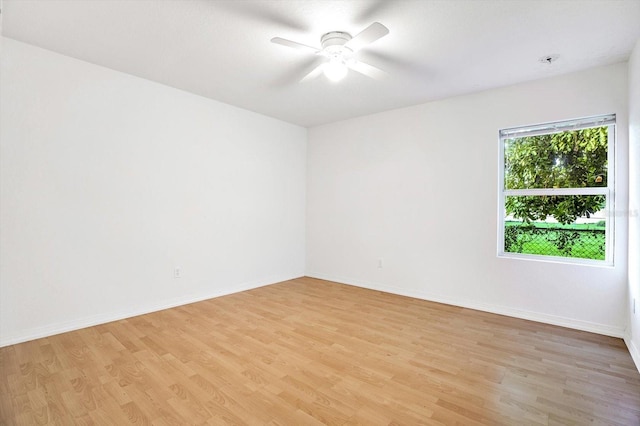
<point x="608" y="191"/>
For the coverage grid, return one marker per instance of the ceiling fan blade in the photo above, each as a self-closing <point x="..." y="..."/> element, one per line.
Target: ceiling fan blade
<point x="370" y="34"/>
<point x="314" y="73"/>
<point x="295" y="45"/>
<point x="368" y="70"/>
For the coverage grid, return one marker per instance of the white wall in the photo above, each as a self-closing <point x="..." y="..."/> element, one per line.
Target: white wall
<point x="417" y="188"/>
<point x="108" y="181"/>
<point x="633" y="336"/>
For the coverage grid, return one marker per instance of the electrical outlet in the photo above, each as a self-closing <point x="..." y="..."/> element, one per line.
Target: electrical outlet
<point x="177" y="272"/>
<point x="379" y="263"/>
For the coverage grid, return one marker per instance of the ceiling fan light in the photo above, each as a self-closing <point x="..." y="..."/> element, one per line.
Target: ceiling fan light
<point x="336" y="69"/>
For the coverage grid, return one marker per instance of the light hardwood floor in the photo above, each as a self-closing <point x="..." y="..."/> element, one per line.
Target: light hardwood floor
<point x="308" y="351"/>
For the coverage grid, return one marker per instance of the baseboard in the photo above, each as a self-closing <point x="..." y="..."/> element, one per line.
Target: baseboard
<point x="63" y="327"/>
<point x="633" y="350"/>
<point x="603" y="329"/>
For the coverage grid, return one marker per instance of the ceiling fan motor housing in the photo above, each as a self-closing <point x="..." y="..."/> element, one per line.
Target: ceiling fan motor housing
<point x="333" y="43"/>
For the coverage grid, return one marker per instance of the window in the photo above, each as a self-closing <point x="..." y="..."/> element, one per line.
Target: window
<point x="556" y="191"/>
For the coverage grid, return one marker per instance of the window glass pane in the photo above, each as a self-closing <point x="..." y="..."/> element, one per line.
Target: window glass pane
<point x="571" y="159"/>
<point x="573" y="226"/>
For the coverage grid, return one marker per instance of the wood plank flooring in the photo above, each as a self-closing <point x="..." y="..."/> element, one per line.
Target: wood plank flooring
<point x="307" y="352"/>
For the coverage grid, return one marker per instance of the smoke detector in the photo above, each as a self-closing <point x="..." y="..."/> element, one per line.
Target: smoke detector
<point x="549" y="59"/>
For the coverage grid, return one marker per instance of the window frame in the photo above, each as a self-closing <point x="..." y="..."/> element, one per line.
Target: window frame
<point x="608" y="191"/>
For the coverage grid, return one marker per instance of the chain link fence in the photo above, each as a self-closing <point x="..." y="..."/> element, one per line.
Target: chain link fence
<point x="555" y="241"/>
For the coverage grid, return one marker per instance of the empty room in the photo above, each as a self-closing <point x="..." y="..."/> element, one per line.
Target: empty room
<point x="306" y="212"/>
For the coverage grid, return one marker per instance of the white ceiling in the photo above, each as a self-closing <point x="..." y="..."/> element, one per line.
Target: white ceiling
<point x="435" y="49"/>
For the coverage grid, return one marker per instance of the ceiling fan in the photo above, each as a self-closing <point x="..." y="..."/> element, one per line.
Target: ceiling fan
<point x="338" y="49"/>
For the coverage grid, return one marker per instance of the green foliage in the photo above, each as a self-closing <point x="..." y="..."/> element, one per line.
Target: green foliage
<point x="515" y="237"/>
<point x="572" y="159"/>
<point x="563" y="208"/>
<point x="565" y="241"/>
<point x="577" y="241"/>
